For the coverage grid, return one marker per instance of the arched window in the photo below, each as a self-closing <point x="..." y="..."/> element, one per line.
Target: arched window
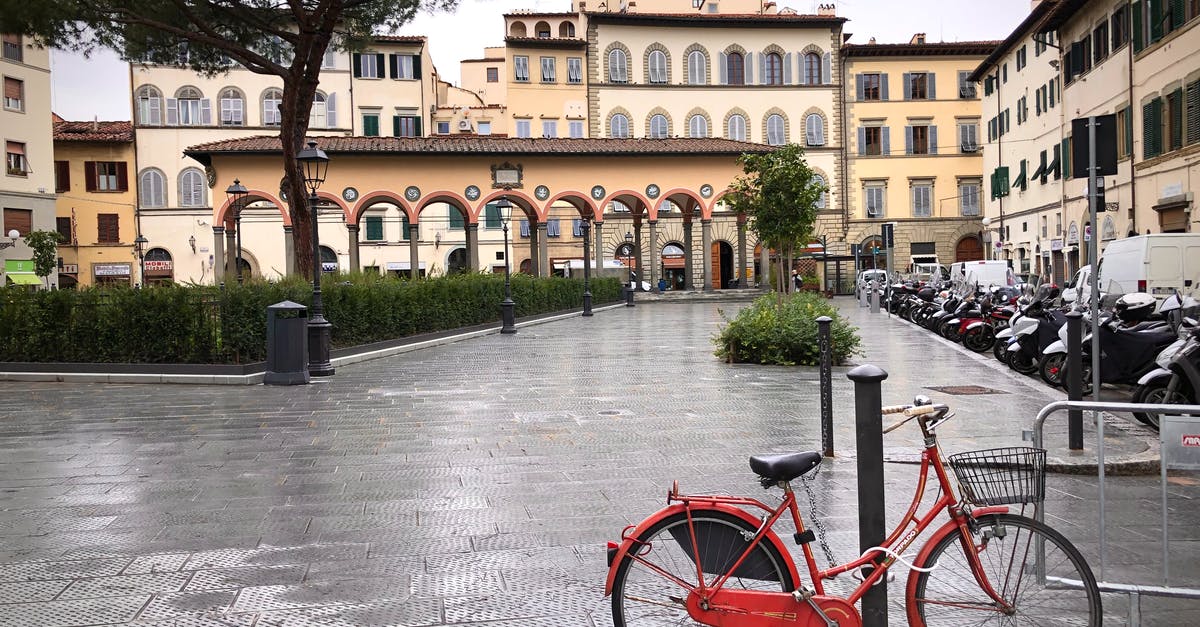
<point x="152" y="188"/>
<point x="159" y="266"/>
<point x="697" y="68"/>
<point x="149" y="106"/>
<point x="271" y="101"/>
<point x="566" y="29"/>
<point x="233" y="107"/>
<point x="658" y="126"/>
<point x="697" y="126"/>
<point x="773" y="69"/>
<point x="775" y="131"/>
<point x="518" y="30"/>
<point x="618" y="68"/>
<point x="737" y="127"/>
<point x="736" y="68"/>
<point x="817" y="179"/>
<point x="812" y="69"/>
<point x="191" y="188"/>
<point x="317" y="117"/>
<point x="329" y="260"/>
<point x="814" y="129"/>
<point x="190" y="108"/>
<point x="618" y="126"/>
<point x="658" y="66"/>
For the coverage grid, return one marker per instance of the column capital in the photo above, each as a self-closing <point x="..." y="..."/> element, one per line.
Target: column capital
<point x="353" y="228"/>
<point x="652" y="222"/>
<point x="218" y="229"/>
<point x="287" y="228"/>
<point x="542" y="226"/>
<point x="705" y="221"/>
<point x="473" y="226"/>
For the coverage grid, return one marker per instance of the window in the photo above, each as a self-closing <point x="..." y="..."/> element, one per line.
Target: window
<point x="968" y="137"/>
<point x="618" y="69"/>
<point x="1045" y="227"/>
<point x="406" y="125"/>
<point x="188" y="108"/>
<point x="105" y="176"/>
<point x="574" y="70"/>
<point x="1120" y="26"/>
<point x="737" y="128"/>
<point x="1152" y="128"/>
<point x="575" y="128"/>
<point x="819" y="181"/>
<point x="922" y="200"/>
<point x="874" y="197"/>
<point x="405" y="228"/>
<point x="15" y="161"/>
<point x="697" y="68"/>
<point x="456" y="219"/>
<point x="493" y="75"/>
<point x="108" y="228"/>
<point x="14" y="94"/>
<point x="1100" y="43"/>
<point x="547" y="69"/>
<point x="233" y="107"/>
<point x="1022" y="58"/>
<point x="374" y="229"/>
<point x="152" y="187"/>
<point x="772" y="69"/>
<point x="483" y="128"/>
<point x="405" y="66"/>
<point x="697" y="126"/>
<point x="1193" y="113"/>
<point x="12" y="48"/>
<point x="1173" y="116"/>
<point x="966" y="89"/>
<point x="870" y="87"/>
<point x="814" y="129"/>
<point x="318" y="116"/>
<point x="1123" y="134"/>
<point x="553" y="228"/>
<point x="657" y="66"/>
<point x="919" y="86"/>
<point x="870" y="140"/>
<point x="550" y="128"/>
<point x="920" y="140"/>
<point x="19" y="220"/>
<point x="491" y="216"/>
<point x="191" y="188"/>
<point x="276" y="50"/>
<point x="812" y="69"/>
<point x="443" y="128"/>
<point x="149" y="106"/>
<point x="329" y="61"/>
<point x="618" y="126"/>
<point x="523" y="128"/>
<point x="521" y="69"/>
<point x="577" y="227"/>
<point x="370" y="124"/>
<point x="272" y="100"/>
<point x="368" y="65"/>
<point x="736" y="68"/>
<point x="62" y="177"/>
<point x="64" y="228"/>
<point x="658" y="126"/>
<point x="1022" y="109"/>
<point x="776" y="135"/>
<point x="968" y="198"/>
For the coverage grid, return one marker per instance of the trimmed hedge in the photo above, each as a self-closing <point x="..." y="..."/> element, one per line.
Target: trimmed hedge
<point x="203" y="324"/>
<point x="765" y="333"/>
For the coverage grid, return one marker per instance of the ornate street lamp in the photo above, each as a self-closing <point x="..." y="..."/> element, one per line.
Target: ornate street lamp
<point x="237" y="192"/>
<point x="629" y="262"/>
<point x="139" y="246"/>
<point x="507" y="319"/>
<point x="316" y="166"/>
<point x="586" y="229"/>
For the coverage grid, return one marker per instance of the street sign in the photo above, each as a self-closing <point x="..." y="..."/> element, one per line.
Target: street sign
<point x="888" y="235"/>
<point x="1180" y="442"/>
<point x="1106" y="147"/>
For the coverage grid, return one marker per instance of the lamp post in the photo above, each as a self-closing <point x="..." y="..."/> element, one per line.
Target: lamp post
<point x="586" y="229"/>
<point x="139" y="246"/>
<point x="316" y="166"/>
<point x="507" y="318"/>
<point x="236" y="193"/>
<point x="629" y="261"/>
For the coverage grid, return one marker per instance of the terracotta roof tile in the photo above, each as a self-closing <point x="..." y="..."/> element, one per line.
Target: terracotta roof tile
<point x="403" y="39"/>
<point x="720" y="18"/>
<point x="940" y="48"/>
<point x="116" y="132"/>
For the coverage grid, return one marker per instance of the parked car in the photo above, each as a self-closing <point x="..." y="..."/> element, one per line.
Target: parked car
<point x="866" y="276"/>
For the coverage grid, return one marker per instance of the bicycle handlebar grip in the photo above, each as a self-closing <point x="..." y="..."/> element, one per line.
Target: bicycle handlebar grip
<point x="921" y="410"/>
<point x="894" y="409"/>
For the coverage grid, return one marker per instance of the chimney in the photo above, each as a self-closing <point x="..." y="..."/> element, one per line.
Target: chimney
<point x="96" y="123"/>
<point x="871" y="42"/>
<point x="918" y="39"/>
<point x="828" y="10"/>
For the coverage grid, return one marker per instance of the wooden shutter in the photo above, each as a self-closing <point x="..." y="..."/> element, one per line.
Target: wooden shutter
<point x="1193" y="113"/>
<point x="416" y="66"/>
<point x="172" y="112"/>
<point x="62" y="176"/>
<point x="379" y="64"/>
<point x="417" y="126"/>
<point x="931" y="85"/>
<point x="374" y="228"/>
<point x="762" y="69"/>
<point x="886" y="148"/>
<point x="356" y="60"/>
<point x="108" y="228"/>
<point x="933" y="140"/>
<point x="907" y="86"/>
<point x="89" y="176"/>
<point x="787" y="68"/>
<point x="396" y="126"/>
<point x="827" y="69"/>
<point x="122" y="176"/>
<point x="723" y="68"/>
<point x="393" y="70"/>
<point x="1176" y="113"/>
<point x="908" y="140"/>
<point x="862" y="141"/>
<point x="205" y="111"/>
<point x="1066" y="157"/>
<point x="859" y="87"/>
<point x="748" y="68"/>
<point x="1148" y="130"/>
<point x="883" y="86"/>
<point x="331" y="111"/>
<point x="19" y="219"/>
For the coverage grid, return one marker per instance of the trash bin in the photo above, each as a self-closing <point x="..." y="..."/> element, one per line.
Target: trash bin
<point x="287" y="344"/>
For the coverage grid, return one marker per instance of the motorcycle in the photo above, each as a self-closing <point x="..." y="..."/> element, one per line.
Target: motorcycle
<point x="1177" y="377"/>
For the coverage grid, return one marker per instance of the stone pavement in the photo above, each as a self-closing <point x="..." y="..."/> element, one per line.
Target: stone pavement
<point x="473" y="483"/>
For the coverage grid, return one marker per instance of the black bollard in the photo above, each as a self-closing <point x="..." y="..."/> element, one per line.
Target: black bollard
<point x="1074" y="379"/>
<point x="628" y="296"/>
<point x="826" y="385"/>
<point x="872" y="523"/>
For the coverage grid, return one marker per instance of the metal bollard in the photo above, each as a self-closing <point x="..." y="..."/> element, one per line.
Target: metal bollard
<point x="628" y="296"/>
<point x="872" y="523"/>
<point x="862" y="297"/>
<point x="873" y="298"/>
<point x="1075" y="379"/>
<point x="823" y="336"/>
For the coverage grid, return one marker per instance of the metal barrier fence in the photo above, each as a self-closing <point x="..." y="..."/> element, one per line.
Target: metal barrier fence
<point x="1167" y="414"/>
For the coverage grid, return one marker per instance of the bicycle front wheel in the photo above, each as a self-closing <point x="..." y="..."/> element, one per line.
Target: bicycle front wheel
<point x="643" y="596"/>
<point x="1007" y="546"/>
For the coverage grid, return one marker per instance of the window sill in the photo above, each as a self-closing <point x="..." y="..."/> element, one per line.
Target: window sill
<point x="18" y="173"/>
<point x="15" y="109"/>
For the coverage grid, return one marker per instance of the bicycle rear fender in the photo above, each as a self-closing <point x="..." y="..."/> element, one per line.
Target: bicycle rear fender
<point x="923" y="555"/>
<point x="616" y="553"/>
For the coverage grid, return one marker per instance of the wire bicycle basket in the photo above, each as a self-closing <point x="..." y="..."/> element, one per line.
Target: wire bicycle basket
<point x="1001" y="476"/>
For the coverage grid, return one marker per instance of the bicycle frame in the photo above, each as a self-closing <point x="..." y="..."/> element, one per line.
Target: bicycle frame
<point x="766" y="605"/>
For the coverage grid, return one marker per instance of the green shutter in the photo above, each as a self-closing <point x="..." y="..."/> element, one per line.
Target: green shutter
<point x="404" y="226"/>
<point x="371" y="125"/>
<point x="395" y="126"/>
<point x="457" y="222"/>
<point x="1129" y="130"/>
<point x="374" y="228"/>
<point x="1066" y="157"/>
<point x="491" y="218"/>
<point x="1156" y="19"/>
<point x="1138" y="40"/>
<point x="1000" y="182"/>
<point x="417" y="126"/>
<point x="1176" y="113"/>
<point x="1148" y="130"/>
<point x="1178" y="16"/>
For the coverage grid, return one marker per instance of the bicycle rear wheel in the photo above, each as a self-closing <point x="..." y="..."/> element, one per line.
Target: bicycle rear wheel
<point x="1007" y="546"/>
<point x="642" y="597"/>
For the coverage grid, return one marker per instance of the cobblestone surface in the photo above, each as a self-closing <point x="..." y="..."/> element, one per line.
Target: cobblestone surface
<point x="472" y="483"/>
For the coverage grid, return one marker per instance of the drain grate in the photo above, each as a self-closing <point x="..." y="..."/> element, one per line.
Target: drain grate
<point x="965" y="390"/>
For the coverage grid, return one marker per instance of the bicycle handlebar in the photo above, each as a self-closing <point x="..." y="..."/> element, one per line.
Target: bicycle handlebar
<point x="915" y="411"/>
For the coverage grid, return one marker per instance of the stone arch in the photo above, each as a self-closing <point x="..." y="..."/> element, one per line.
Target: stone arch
<point x="450" y="198"/>
<point x="518" y="29"/>
<point x="732" y="112"/>
<point x="968" y="248"/>
<point x="663" y="112"/>
<point x="566" y="29"/>
<point x="580" y="200"/>
<point x="518" y="198"/>
<point x="377" y="197"/>
<point x="735" y="48"/>
<point x="655" y="47"/>
<point x="774" y="48"/>
<point x="540" y="27"/>
<point x="687" y="62"/>
<point x="338" y="202"/>
<point x="638" y="204"/>
<point x="189" y="90"/>
<point x="828" y="187"/>
<point x="222" y="213"/>
<point x="683" y="197"/>
<point x="708" y="125"/>
<point x="608" y="70"/>
<point x="787" y="130"/>
<point x="812" y="48"/>
<point x="618" y="111"/>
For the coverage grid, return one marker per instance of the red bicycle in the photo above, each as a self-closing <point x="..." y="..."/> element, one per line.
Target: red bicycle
<point x="706" y="560"/>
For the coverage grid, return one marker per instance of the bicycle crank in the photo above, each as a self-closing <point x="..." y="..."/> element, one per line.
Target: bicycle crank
<point x="755" y="608"/>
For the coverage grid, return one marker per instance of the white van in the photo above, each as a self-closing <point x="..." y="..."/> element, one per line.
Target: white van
<point x="1156" y="264"/>
<point x="987" y="274"/>
<point x="1079" y="288"/>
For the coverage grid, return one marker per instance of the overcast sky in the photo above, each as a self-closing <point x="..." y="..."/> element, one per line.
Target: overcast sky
<point x="99" y="86"/>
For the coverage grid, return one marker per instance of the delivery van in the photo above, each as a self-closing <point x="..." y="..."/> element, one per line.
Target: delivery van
<point x="994" y="273"/>
<point x="1156" y="264"/>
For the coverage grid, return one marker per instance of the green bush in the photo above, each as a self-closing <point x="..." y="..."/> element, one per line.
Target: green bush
<point x="764" y="333"/>
<point x="204" y="324"/>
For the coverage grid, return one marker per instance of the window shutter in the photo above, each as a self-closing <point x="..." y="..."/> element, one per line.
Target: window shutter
<point x="1148" y="130"/>
<point x="357" y="61"/>
<point x="417" y="126"/>
<point x="379" y="64"/>
<point x="787" y="69"/>
<point x="827" y="69"/>
<point x="395" y="126"/>
<point x="1193" y="113"/>
<point x="206" y="111"/>
<point x="1156" y="20"/>
<point x="859" y="87"/>
<point x="374" y="228"/>
<point x="1066" y="158"/>
<point x="749" y="68"/>
<point x="172" y="112"/>
<point x="1176" y="114"/>
<point x="762" y="69"/>
<point x="724" y="68"/>
<point x="393" y="72"/>
<point x="862" y="141"/>
<point x="62" y="176"/>
<point x="89" y="175"/>
<point x="331" y="111"/>
<point x="1178" y="16"/>
<point x="883" y="86"/>
<point x="933" y="140"/>
<point x="907" y="86"/>
<point x="887" y="141"/>
<point x="931" y="85"/>
<point x="908" y="140"/>
<point x="416" y="66"/>
<point x="122" y="176"/>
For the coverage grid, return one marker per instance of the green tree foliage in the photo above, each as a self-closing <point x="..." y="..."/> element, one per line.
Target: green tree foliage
<point x="765" y="333"/>
<point x="286" y="39"/>
<point x="778" y="194"/>
<point x="45" y="251"/>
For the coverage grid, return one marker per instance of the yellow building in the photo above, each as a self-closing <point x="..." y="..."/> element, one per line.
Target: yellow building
<point x="913" y="148"/>
<point x="547" y="93"/>
<point x="96" y="206"/>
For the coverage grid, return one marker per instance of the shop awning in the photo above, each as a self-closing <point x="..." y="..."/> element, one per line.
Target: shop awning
<point x="23" y="278"/>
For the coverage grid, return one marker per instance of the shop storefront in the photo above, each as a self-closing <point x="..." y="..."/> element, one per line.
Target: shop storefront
<point x="159" y="266"/>
<point x="20" y="272"/>
<point x="111" y="273"/>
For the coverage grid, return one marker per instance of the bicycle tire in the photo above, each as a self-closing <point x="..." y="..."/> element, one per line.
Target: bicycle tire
<point x="938" y="596"/>
<point x="657" y="599"/>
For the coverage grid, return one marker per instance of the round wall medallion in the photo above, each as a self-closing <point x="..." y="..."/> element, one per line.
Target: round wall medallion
<point x="598" y="192"/>
<point x="472" y="193"/>
<point x="541" y="192"/>
<point x="350" y="194"/>
<point x="706" y="190"/>
<point x="412" y="193"/>
<point x="652" y="191"/>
